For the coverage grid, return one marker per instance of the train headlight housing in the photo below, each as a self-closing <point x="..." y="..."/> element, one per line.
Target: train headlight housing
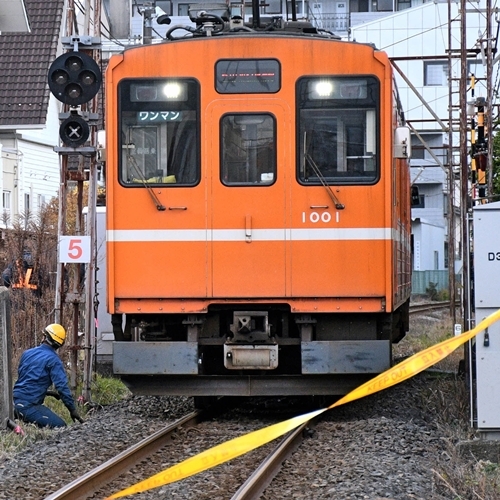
<point x="164" y="91"/>
<point x="337" y="88"/>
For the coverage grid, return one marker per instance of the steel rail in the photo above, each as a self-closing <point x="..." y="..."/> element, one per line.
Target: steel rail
<point x="90" y="482"/>
<point x="269" y="468"/>
<point x="429" y="306"/>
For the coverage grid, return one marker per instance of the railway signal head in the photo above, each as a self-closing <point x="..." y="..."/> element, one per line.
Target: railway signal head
<point x="74" y="131"/>
<point x="74" y="78"/>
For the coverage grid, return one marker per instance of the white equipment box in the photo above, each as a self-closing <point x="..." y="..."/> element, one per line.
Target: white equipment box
<point x="487" y="300"/>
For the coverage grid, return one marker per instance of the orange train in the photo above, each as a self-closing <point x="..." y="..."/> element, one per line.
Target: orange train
<point x="258" y="211"/>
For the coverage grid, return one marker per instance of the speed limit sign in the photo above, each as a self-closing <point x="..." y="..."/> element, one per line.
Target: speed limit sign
<point x="74" y="249"/>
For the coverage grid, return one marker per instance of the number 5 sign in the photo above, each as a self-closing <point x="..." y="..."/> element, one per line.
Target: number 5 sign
<point x="74" y="249"/>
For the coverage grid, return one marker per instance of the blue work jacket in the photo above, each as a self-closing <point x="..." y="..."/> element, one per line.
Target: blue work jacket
<point x="39" y="368"/>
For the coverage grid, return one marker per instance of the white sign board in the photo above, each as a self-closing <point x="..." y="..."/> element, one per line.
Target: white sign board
<point x="74" y="249"/>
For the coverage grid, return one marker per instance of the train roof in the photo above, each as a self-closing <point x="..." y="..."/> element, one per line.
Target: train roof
<point x="211" y="22"/>
<point x="273" y="28"/>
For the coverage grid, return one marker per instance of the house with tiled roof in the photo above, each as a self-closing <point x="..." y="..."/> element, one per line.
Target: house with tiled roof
<point x="29" y="114"/>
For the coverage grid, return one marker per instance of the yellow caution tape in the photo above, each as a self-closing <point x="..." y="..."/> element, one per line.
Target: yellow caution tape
<point x="239" y="446"/>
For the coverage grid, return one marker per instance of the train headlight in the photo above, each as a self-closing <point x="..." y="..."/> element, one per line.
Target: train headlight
<point x="174" y="91"/>
<point x="322" y="89"/>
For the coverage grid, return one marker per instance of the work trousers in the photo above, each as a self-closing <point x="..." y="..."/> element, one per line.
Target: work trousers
<point x="39" y="415"/>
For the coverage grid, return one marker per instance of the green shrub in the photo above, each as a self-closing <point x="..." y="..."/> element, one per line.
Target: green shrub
<point x="108" y="390"/>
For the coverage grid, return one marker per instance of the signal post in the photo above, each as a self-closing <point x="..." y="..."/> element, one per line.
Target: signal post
<point x="74" y="79"/>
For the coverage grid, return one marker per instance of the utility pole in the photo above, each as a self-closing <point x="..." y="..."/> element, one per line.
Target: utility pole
<point x="489" y="95"/>
<point x="464" y="165"/>
<point x="90" y="340"/>
<point x="451" y="180"/>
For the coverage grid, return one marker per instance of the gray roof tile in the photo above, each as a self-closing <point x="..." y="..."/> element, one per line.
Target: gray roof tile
<point x="25" y="59"/>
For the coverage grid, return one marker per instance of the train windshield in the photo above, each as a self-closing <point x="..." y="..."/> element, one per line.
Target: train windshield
<point x="337" y="130"/>
<point x="248" y="145"/>
<point x="159" y="132"/>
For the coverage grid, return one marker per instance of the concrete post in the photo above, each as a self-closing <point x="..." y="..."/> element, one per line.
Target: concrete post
<point x="6" y="407"/>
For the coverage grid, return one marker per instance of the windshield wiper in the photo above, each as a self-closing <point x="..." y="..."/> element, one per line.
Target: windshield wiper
<point x="141" y="178"/>
<point x="317" y="171"/>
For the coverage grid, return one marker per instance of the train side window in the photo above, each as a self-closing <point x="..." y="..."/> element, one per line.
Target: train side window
<point x="248" y="149"/>
<point x="337" y="130"/>
<point x="159" y="131"/>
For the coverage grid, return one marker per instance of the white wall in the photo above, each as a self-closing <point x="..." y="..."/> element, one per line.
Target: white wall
<point x="37" y="165"/>
<point x="427" y="239"/>
<point x="421" y="31"/>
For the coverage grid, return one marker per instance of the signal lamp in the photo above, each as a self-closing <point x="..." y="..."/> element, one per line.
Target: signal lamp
<point x="74" y="78"/>
<point x="74" y="131"/>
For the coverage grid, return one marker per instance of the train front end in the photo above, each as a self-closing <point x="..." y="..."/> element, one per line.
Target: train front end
<point x="258" y="214"/>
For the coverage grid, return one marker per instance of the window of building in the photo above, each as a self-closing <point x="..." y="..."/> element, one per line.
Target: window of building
<point x="421" y="202"/>
<point x="384" y="5"/>
<point x="302" y="8"/>
<point x="272" y="7"/>
<point x="418" y="151"/>
<point x="41" y="201"/>
<point x="238" y="9"/>
<point x="403" y="4"/>
<point x="27" y="205"/>
<point x="446" y="255"/>
<point x="435" y="73"/>
<point x="477" y="68"/>
<point x="183" y="9"/>
<point x="6" y="200"/>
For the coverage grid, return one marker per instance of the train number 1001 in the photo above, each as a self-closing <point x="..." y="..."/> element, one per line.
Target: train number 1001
<point x="316" y="217"/>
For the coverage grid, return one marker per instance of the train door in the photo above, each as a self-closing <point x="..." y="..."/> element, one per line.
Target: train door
<point x="338" y="238"/>
<point x="248" y="197"/>
<point x="159" y="211"/>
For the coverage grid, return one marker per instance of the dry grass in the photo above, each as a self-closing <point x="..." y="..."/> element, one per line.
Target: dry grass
<point x="104" y="391"/>
<point x="34" y="239"/>
<point x="457" y="477"/>
<point x="427" y="331"/>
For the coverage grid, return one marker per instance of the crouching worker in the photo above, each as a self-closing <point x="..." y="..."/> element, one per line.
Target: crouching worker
<point x="39" y="368"/>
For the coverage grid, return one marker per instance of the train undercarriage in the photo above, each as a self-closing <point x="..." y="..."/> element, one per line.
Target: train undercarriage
<point x="255" y="351"/>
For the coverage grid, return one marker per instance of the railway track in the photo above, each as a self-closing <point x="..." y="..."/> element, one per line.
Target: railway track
<point x="97" y="479"/>
<point x="258" y="481"/>
<point x="385" y="446"/>
<point x="429" y="306"/>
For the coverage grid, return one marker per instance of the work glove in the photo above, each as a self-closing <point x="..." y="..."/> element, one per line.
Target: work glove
<point x="54" y="394"/>
<point x="75" y="416"/>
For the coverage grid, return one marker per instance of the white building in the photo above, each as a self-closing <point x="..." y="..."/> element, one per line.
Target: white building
<point x="29" y="122"/>
<point x="418" y="40"/>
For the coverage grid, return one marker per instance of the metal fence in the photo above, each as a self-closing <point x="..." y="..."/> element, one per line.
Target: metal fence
<point x="330" y="22"/>
<point x="422" y="281"/>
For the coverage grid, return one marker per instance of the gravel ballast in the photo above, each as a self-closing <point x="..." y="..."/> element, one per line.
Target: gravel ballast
<point x="391" y="445"/>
